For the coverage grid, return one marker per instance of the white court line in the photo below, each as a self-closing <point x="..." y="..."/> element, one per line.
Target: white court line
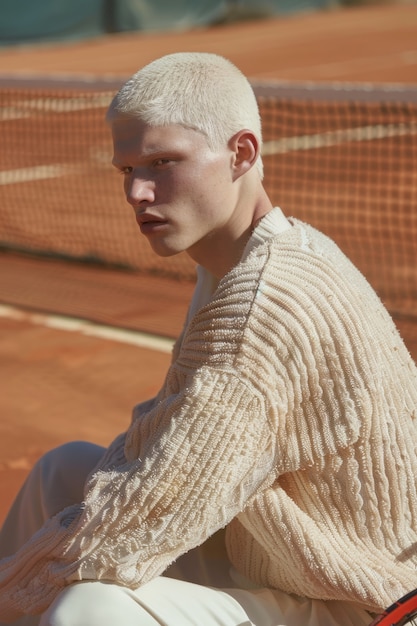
<point x="276" y="146"/>
<point x="7" y="114"/>
<point x="90" y="329"/>
<point x="333" y="138"/>
<point x="27" y="174"/>
<point x="23" y="109"/>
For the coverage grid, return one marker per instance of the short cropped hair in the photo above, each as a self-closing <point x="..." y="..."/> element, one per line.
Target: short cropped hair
<point x="197" y="90"/>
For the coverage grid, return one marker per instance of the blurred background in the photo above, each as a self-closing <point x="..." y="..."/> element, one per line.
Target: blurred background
<point x="87" y="313"/>
<point x="59" y="20"/>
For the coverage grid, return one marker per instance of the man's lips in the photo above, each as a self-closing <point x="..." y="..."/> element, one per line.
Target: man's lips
<point x="148" y="223"/>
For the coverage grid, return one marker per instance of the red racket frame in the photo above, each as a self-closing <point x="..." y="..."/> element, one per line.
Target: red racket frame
<point x="399" y="611"/>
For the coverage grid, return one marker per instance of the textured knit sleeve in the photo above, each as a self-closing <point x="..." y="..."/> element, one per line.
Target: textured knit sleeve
<point x="114" y="455"/>
<point x="190" y="469"/>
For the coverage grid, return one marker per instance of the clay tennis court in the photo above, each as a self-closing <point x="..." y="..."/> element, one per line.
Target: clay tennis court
<point x="60" y="384"/>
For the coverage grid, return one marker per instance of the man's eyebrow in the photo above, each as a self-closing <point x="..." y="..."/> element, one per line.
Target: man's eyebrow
<point x="153" y="152"/>
<point x="158" y="150"/>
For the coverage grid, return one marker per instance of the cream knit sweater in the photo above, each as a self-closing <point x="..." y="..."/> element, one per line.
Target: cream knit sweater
<point x="288" y="415"/>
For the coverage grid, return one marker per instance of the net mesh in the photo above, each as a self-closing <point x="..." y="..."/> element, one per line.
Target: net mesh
<point x="349" y="169"/>
<point x="60" y="195"/>
<point x="343" y="160"/>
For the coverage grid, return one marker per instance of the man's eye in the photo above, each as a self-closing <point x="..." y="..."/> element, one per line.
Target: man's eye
<point x="125" y="170"/>
<point x="159" y="162"/>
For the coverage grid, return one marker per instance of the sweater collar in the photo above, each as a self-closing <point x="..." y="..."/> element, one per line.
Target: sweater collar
<point x="273" y="223"/>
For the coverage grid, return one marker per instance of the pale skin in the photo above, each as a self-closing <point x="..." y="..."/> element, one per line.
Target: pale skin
<point x="188" y="197"/>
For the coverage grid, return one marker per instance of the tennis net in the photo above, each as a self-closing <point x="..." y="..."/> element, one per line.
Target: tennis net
<point x="341" y="157"/>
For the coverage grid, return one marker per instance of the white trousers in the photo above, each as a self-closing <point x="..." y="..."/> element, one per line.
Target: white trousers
<point x="57" y="480"/>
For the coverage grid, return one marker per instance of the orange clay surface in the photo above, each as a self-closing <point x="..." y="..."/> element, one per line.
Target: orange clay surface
<point x="60" y="385"/>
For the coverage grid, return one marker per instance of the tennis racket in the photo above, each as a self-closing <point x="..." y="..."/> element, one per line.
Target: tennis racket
<point x="402" y="612"/>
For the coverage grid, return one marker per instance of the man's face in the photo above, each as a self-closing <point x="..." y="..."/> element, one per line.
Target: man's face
<point x="182" y="192"/>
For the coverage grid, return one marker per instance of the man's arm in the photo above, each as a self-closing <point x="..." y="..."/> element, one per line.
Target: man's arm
<point x="193" y="462"/>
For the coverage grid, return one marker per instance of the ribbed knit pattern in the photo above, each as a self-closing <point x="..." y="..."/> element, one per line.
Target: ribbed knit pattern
<point x="287" y="415"/>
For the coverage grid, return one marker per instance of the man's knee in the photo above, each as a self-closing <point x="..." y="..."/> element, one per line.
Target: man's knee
<point x="95" y="603"/>
<point x="78" y="604"/>
<point x="62" y="472"/>
<point x="63" y="459"/>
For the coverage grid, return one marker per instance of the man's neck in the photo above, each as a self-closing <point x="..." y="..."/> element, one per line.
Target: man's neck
<point x="224" y="249"/>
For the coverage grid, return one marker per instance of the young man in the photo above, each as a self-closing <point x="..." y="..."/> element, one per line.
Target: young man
<point x="287" y="416"/>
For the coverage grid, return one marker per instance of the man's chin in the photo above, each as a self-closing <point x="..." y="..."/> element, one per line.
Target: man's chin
<point x="165" y="251"/>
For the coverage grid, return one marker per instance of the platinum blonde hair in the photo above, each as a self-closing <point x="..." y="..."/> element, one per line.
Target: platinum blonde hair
<point x="197" y="90"/>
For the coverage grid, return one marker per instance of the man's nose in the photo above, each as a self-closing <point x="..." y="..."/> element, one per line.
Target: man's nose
<point x="139" y="189"/>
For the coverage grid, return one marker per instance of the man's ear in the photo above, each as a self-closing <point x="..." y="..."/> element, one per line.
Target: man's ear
<point x="245" y="148"/>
